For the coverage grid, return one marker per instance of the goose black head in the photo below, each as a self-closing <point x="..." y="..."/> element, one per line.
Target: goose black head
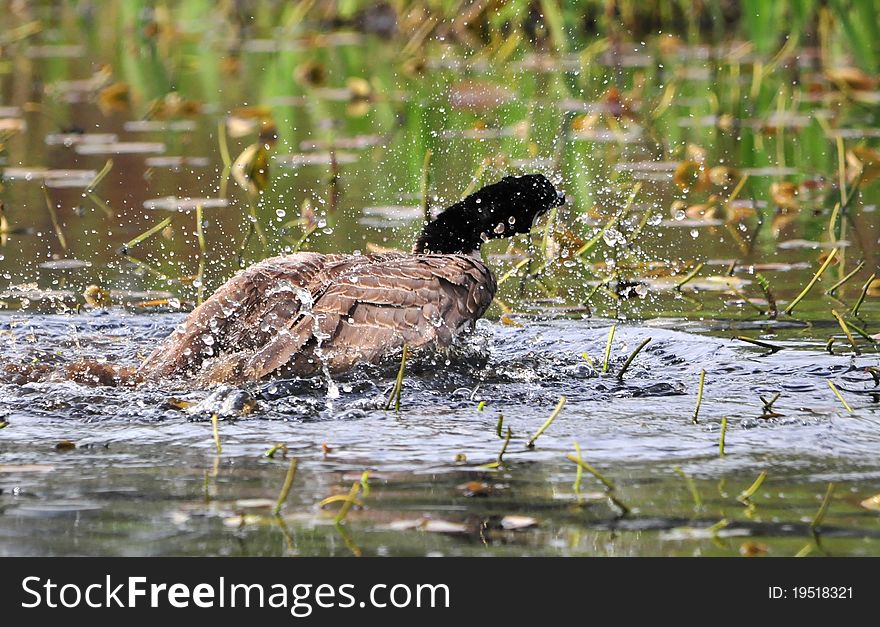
<point x="502" y="209"/>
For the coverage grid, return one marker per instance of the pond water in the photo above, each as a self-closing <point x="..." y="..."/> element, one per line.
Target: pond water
<point x="705" y="186"/>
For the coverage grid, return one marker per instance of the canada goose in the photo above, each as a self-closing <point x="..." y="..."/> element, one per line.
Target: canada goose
<point x="296" y="314"/>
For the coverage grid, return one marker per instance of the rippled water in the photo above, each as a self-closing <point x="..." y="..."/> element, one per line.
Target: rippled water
<point x="145" y="478"/>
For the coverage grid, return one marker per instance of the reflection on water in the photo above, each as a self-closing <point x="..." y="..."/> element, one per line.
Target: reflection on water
<point x="702" y="183"/>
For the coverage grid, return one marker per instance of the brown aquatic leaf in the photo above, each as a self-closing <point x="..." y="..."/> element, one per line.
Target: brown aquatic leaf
<point x="723" y="176"/>
<point x="691" y="175"/>
<point x="697" y="153"/>
<point x="252" y="113"/>
<point x="359" y="88"/>
<point x="670" y="44"/>
<point x="617" y="105"/>
<point x="473" y="95"/>
<point x="824" y="257"/>
<point x="414" y="67"/>
<point x="706" y="211"/>
<point x="785" y="195"/>
<point x="852" y="77"/>
<point x="726" y="122"/>
<point x="268" y="133"/>
<point x="507" y="321"/>
<point x="115" y="97"/>
<point x="65" y="445"/>
<point x="460" y="458"/>
<point x="739" y="212"/>
<point x="230" y="65"/>
<point x="865" y="160"/>
<point x="585" y="122"/>
<point x="874" y="288"/>
<point x="251" y="169"/>
<point x="311" y="74"/>
<point x="96" y="297"/>
<point x="475" y="488"/>
<point x="753" y="549"/>
<point x="173" y="105"/>
<point x="872" y="503"/>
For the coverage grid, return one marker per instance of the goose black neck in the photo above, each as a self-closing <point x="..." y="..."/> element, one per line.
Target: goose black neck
<point x="459" y="229"/>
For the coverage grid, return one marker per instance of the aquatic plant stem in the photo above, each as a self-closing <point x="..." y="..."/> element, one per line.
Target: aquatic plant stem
<point x="547" y="423"/>
<point x="350" y="500"/>
<point x="285" y="488"/>
<point x="689" y="276"/>
<point x="696" y="416"/>
<point x="839" y="396"/>
<point x="631" y="357"/>
<point x="398" y="384"/>
<point x="722" y="437"/>
<point x="145" y="235"/>
<point x="608" y="347"/>
<point x="855" y="309"/>
<point x="812" y="281"/>
<point x="846" y="278"/>
<point x="90" y="188"/>
<point x="53" y="215"/>
<point x="845" y="328"/>
<point x="770" y="347"/>
<point x="746" y="495"/>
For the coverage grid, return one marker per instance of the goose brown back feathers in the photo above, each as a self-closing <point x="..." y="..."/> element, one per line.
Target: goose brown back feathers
<point x="291" y="315"/>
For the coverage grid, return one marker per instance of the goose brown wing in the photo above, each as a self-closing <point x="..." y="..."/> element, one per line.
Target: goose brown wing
<point x="244" y="314"/>
<point x="377" y="305"/>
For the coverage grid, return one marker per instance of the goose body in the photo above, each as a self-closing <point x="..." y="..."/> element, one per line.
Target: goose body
<point x="292" y="315"/>
<point x="296" y="314"/>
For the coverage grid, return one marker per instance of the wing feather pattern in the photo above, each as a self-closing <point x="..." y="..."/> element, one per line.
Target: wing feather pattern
<point x="295" y="314"/>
